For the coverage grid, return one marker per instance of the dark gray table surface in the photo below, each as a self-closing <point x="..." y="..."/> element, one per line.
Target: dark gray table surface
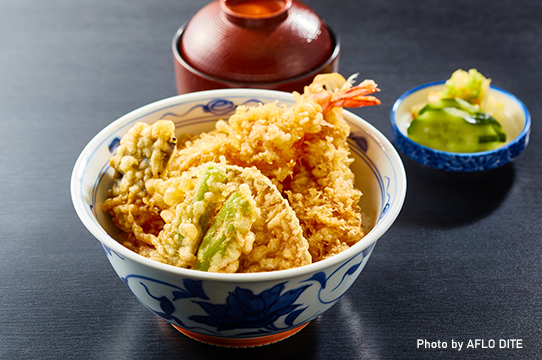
<point x="462" y="262"/>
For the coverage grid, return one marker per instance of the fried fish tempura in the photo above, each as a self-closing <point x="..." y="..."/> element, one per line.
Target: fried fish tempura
<point x="303" y="154"/>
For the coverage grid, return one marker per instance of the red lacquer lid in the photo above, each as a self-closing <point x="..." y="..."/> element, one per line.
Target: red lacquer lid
<point x="256" y="41"/>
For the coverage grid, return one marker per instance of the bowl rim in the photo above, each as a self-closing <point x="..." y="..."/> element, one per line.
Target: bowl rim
<point x="526" y="127"/>
<point x="380" y="227"/>
<point x="178" y="58"/>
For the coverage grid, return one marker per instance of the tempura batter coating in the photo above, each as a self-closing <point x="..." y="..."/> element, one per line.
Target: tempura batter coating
<point x="267" y="136"/>
<point x="303" y="151"/>
<point x="266" y="238"/>
<point x="144" y="153"/>
<point x="322" y="191"/>
<point x="274" y="152"/>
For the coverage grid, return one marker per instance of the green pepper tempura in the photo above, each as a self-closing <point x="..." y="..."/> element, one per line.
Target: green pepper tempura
<point x="457" y="119"/>
<point x="224" y="218"/>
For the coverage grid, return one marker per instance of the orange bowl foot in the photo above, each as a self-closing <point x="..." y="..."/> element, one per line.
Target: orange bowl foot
<point x="249" y="342"/>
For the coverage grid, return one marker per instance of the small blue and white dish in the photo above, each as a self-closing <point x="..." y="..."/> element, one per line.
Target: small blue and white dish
<point x="517" y="128"/>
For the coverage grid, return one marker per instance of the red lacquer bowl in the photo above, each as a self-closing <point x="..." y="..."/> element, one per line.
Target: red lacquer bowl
<point x="269" y="44"/>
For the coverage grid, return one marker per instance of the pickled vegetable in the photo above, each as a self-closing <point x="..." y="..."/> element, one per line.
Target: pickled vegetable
<point x="453" y="119"/>
<point x="469" y="85"/>
<point x="455" y="130"/>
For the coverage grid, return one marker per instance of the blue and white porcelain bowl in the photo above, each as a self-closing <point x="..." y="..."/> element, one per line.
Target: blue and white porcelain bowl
<point x="517" y="128"/>
<point x="237" y="309"/>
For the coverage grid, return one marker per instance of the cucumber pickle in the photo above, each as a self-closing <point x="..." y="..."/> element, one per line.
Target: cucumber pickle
<point x="455" y="125"/>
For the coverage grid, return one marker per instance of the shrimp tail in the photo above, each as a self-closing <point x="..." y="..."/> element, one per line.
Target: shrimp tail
<point x="357" y="96"/>
<point x="335" y="91"/>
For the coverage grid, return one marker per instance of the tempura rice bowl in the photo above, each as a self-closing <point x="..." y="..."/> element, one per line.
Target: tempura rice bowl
<point x="237" y="309"/>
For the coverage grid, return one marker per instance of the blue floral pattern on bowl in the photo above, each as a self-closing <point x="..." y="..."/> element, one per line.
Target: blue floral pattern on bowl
<point x="243" y="312"/>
